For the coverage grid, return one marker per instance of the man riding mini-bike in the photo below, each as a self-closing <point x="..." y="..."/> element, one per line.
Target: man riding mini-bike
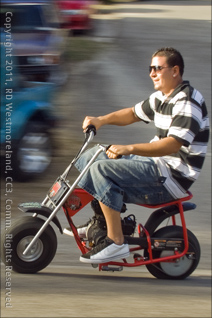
<point x="156" y="172"/>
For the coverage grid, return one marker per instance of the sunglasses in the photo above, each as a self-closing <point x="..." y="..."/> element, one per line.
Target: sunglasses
<point x="157" y="68"/>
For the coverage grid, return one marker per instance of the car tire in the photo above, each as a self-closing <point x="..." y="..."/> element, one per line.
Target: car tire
<point x="33" y="153"/>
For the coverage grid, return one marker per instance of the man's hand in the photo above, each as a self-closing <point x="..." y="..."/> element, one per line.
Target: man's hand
<point x="116" y="151"/>
<point x="89" y="120"/>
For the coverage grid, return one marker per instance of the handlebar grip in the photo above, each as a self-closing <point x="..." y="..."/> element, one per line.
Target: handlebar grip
<point x="108" y="147"/>
<point x="91" y="128"/>
<point x="118" y="157"/>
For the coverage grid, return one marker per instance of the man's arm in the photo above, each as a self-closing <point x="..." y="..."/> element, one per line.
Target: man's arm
<point x="162" y="147"/>
<point x="121" y="117"/>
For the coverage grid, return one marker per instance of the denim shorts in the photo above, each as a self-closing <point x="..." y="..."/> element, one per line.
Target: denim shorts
<point x="131" y="179"/>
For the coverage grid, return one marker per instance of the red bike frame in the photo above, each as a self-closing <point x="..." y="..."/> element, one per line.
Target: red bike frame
<point x="80" y="198"/>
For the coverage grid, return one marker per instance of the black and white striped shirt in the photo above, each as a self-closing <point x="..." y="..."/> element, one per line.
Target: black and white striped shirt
<point x="183" y="115"/>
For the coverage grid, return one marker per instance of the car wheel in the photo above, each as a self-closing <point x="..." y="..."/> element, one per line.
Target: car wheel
<point x="33" y="154"/>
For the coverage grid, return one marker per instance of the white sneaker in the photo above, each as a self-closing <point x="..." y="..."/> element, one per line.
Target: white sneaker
<point x="81" y="232"/>
<point x="81" y="229"/>
<point x="105" y="252"/>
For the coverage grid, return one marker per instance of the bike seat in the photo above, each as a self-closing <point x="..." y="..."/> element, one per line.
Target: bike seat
<point x="188" y="197"/>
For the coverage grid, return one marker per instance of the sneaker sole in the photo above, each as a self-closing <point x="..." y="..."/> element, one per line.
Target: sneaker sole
<point x="106" y="260"/>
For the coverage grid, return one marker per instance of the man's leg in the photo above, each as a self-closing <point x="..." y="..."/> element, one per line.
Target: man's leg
<point x="113" y="220"/>
<point x="130" y="180"/>
<point x="114" y="246"/>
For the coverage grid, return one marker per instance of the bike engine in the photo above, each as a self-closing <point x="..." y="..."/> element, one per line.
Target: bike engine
<point x="97" y="230"/>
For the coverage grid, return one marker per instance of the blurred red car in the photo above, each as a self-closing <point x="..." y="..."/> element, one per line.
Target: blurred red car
<point x="76" y="14"/>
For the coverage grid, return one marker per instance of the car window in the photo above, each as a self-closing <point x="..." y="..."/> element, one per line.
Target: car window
<point x="25" y="17"/>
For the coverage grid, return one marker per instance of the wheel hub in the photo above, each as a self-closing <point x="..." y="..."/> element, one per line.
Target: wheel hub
<point x="177" y="267"/>
<point x="34" y="253"/>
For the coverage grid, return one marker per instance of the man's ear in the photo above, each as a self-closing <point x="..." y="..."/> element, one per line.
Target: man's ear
<point x="176" y="71"/>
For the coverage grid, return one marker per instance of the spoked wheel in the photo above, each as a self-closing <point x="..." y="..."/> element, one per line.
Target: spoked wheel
<point x="17" y="238"/>
<point x="180" y="268"/>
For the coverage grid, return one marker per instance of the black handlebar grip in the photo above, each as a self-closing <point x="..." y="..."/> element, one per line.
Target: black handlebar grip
<point x="118" y="157"/>
<point x="108" y="147"/>
<point x="91" y="128"/>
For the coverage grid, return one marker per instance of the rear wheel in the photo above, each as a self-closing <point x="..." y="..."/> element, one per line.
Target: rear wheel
<point x="180" y="268"/>
<point x="17" y="238"/>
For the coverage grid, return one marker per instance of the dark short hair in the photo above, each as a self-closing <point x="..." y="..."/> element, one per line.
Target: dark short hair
<point x="173" y="57"/>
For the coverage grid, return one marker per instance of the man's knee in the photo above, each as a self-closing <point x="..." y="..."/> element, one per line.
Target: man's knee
<point x="99" y="166"/>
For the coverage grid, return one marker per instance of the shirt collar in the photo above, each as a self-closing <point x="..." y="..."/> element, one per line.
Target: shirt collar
<point x="178" y="89"/>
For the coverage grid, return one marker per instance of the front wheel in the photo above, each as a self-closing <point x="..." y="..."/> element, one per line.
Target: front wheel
<point x="17" y="238"/>
<point x="180" y="268"/>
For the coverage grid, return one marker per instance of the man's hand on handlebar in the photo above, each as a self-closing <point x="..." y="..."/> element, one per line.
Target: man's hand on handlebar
<point x="117" y="151"/>
<point x="89" y="120"/>
<point x="113" y="151"/>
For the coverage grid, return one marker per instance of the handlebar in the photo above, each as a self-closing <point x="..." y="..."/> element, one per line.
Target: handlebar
<point x="89" y="134"/>
<point x="90" y="128"/>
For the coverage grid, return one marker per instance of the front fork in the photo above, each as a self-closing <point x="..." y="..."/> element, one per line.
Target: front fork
<point x="47" y="201"/>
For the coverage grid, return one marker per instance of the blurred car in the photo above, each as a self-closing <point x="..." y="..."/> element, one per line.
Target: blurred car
<point x="27" y="115"/>
<point x="76" y="14"/>
<point x="38" y="40"/>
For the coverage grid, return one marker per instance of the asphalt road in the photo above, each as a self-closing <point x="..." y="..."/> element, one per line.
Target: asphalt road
<point x="118" y="77"/>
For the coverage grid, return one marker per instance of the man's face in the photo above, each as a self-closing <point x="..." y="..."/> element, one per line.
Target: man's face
<point x="164" y="77"/>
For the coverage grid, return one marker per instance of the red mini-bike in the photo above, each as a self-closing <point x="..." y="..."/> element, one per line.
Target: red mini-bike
<point x="168" y="252"/>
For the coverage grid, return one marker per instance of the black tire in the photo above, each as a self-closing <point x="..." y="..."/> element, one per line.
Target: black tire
<point x="32" y="153"/>
<point x="183" y="267"/>
<point x="17" y="237"/>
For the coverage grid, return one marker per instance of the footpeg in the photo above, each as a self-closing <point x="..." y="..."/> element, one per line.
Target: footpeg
<point x="112" y="269"/>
